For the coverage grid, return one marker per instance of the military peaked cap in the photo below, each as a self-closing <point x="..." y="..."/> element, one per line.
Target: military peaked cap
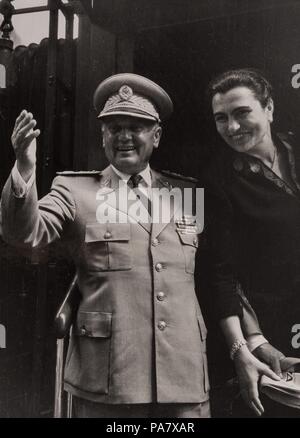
<point x="132" y="95"/>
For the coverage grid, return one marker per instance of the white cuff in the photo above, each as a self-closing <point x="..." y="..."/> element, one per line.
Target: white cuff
<point x="19" y="186"/>
<point x="255" y="341"/>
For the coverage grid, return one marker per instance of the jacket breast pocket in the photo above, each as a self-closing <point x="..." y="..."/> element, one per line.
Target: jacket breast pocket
<point x="88" y="364"/>
<point x="203" y="335"/>
<point x="107" y="247"/>
<point x="189" y="243"/>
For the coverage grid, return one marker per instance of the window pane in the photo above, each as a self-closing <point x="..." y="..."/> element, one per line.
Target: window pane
<point x="30" y="28"/>
<point x="19" y="4"/>
<point x="33" y="27"/>
<point x="61" y="25"/>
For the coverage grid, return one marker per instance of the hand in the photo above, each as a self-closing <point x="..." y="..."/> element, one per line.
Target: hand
<point x="271" y="356"/>
<point x="249" y="370"/>
<point x="24" y="143"/>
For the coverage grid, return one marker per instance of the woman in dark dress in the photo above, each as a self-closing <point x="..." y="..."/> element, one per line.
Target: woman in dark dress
<point x="255" y="223"/>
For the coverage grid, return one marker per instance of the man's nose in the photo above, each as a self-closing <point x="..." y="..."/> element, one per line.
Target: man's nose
<point x="125" y="134"/>
<point x="233" y="126"/>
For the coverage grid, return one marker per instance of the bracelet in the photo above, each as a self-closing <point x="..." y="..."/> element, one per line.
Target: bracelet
<point x="235" y="347"/>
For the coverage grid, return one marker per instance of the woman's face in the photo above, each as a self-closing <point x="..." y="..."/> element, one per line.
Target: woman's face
<point x="241" y="120"/>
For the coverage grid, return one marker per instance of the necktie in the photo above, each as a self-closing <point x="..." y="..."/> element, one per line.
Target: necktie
<point x="133" y="183"/>
<point x="134" y="180"/>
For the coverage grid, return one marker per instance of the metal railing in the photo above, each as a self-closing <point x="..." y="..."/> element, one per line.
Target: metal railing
<point x="63" y="329"/>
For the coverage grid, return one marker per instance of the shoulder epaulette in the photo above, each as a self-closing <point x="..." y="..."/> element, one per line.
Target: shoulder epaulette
<point x="79" y="173"/>
<point x="178" y="176"/>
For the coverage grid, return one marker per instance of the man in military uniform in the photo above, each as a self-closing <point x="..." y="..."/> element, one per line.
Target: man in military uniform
<point x="139" y="342"/>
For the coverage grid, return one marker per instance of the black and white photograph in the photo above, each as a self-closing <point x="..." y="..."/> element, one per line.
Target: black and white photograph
<point x="150" y="211"/>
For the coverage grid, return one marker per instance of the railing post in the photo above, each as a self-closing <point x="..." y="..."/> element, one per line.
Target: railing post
<point x="59" y="378"/>
<point x="6" y="9"/>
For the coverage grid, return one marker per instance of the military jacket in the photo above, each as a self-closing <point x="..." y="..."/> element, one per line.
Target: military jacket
<point x="139" y="335"/>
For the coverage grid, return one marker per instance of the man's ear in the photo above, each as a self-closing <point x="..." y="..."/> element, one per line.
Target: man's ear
<point x="102" y="136"/>
<point x="157" y="135"/>
<point x="270" y="110"/>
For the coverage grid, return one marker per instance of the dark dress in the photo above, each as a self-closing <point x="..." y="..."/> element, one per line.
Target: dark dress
<point x="253" y="228"/>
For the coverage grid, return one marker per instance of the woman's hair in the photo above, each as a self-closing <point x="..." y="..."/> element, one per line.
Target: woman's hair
<point x="244" y="77"/>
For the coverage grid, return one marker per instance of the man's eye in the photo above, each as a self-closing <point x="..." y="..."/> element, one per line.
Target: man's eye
<point x="136" y="128"/>
<point x="114" y="129"/>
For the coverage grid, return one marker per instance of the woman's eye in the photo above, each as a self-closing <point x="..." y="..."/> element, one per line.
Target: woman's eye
<point x="244" y="113"/>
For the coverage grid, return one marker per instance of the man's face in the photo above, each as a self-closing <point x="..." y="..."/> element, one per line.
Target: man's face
<point x="241" y="120"/>
<point x="129" y="142"/>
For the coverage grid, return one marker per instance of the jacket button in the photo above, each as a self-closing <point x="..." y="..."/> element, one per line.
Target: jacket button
<point x="161" y="325"/>
<point x="158" y="267"/>
<point x="160" y="296"/>
<point x="107" y="235"/>
<point x="269" y="173"/>
<point x="195" y="241"/>
<point x="155" y="242"/>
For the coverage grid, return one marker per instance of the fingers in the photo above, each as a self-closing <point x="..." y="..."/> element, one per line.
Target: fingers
<point x="25" y="128"/>
<point x="275" y="366"/>
<point x="23" y="118"/>
<point x="251" y="398"/>
<point x="270" y="356"/>
<point x="257" y="408"/>
<point x="19" y="118"/>
<point x="268" y="372"/>
<point x="255" y="401"/>
<point x="29" y="137"/>
<point x="24" y="132"/>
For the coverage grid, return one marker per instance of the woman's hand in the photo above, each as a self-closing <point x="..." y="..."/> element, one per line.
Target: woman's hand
<point x="249" y="370"/>
<point x="24" y="143"/>
<point x="269" y="355"/>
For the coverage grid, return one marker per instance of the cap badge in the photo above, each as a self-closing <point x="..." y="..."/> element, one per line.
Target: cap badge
<point x="125" y="92"/>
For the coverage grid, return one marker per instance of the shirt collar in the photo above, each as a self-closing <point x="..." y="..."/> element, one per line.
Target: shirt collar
<point x="146" y="174"/>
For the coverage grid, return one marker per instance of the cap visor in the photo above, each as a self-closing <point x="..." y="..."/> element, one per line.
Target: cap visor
<point x="131" y="114"/>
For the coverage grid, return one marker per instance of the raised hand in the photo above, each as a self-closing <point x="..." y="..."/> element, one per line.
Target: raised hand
<point x="24" y="143"/>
